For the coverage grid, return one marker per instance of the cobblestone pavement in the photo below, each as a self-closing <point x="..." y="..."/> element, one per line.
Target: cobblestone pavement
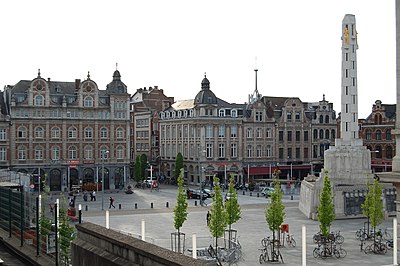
<point x="251" y="228"/>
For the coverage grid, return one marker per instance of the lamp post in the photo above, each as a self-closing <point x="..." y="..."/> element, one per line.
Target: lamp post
<point x="103" y="153"/>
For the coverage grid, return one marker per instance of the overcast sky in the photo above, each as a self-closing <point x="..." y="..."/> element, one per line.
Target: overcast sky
<point x="294" y="44"/>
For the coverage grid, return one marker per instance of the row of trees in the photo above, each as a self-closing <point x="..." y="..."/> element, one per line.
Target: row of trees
<point x="221" y="215"/>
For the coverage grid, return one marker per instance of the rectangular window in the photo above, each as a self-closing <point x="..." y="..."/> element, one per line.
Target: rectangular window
<point x="233" y="131"/>
<point x="221" y="132"/>
<point x="268" y="151"/>
<point x="289" y="153"/>
<point x="280" y="153"/>
<point x="221" y="150"/>
<point x="249" y="151"/>
<point x="3" y="134"/>
<point x="88" y="154"/>
<point x="38" y="154"/>
<point x="297" y="116"/>
<point x="297" y="135"/>
<point x="289" y="116"/>
<point x="297" y="153"/>
<point x="305" y="153"/>
<point x="21" y="154"/>
<point x="347" y="108"/>
<point x="346" y="90"/>
<point x="346" y="73"/>
<point x="280" y="137"/>
<point x="209" y="152"/>
<point x="3" y="154"/>
<point x="347" y="56"/>
<point x="305" y="135"/>
<point x="233" y="150"/>
<point x="249" y="133"/>
<point x="289" y="135"/>
<point x="259" y="116"/>
<point x="209" y="131"/>
<point x="353" y="81"/>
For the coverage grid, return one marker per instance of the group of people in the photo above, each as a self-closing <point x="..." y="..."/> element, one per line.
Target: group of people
<point x="92" y="196"/>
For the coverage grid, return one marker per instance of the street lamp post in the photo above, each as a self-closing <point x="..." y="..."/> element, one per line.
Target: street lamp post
<point x="103" y="153"/>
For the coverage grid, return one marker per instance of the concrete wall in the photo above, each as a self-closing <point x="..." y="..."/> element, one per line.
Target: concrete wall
<point x="96" y="245"/>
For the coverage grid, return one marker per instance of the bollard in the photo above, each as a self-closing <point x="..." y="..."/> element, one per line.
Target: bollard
<point x="167" y="204"/>
<point x="195" y="203"/>
<point x="151" y="205"/>
<point x="135" y="205"/>
<point x="244" y="192"/>
<point x="251" y="194"/>
<point x="86" y="208"/>
<point x="258" y="195"/>
<point x="119" y="206"/>
<point x="291" y="197"/>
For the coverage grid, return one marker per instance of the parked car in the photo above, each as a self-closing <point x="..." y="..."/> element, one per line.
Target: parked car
<point x="196" y="194"/>
<point x="267" y="191"/>
<point x="208" y="192"/>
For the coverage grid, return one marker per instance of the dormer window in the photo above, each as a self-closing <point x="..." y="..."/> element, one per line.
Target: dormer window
<point x="191" y="113"/>
<point x="233" y="113"/>
<point x="39" y="100"/>
<point x="221" y="113"/>
<point x="162" y="114"/>
<point x="179" y="114"/>
<point x="185" y="113"/>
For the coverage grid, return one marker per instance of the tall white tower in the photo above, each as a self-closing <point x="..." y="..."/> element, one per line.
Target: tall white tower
<point x="349" y="99"/>
<point x="348" y="162"/>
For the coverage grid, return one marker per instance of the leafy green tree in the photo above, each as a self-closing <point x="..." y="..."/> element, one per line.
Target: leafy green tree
<point x="180" y="210"/>
<point x="275" y="211"/>
<point x="143" y="166"/>
<point x="232" y="208"/>
<point x="218" y="215"/>
<point x="326" y="209"/>
<point x="66" y="235"/>
<point x="138" y="169"/>
<point x="376" y="206"/>
<point x="367" y="204"/>
<point x="178" y="164"/>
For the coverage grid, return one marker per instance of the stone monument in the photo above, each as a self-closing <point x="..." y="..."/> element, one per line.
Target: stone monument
<point x="348" y="163"/>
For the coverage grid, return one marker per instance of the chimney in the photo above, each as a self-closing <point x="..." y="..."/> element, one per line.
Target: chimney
<point x="77" y="84"/>
<point x="48" y="79"/>
<point x="156" y="87"/>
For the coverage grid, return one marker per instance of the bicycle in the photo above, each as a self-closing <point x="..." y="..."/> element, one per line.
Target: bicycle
<point x="264" y="257"/>
<point x="377" y="247"/>
<point x="339" y="252"/>
<point x="339" y="239"/>
<point x="290" y="240"/>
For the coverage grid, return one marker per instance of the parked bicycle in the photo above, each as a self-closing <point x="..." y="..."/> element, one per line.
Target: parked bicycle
<point x="290" y="240"/>
<point x="264" y="257"/>
<point x="378" y="247"/>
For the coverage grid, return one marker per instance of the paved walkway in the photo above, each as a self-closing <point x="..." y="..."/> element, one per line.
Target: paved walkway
<point x="251" y="228"/>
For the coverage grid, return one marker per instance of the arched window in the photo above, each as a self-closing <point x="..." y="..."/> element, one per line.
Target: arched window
<point x="72" y="133"/>
<point x="21" y="153"/>
<point x="39" y="153"/>
<point x="368" y="135"/>
<point x="333" y="134"/>
<point x="55" y="133"/>
<point x="321" y="133"/>
<point x="72" y="153"/>
<point x="315" y="134"/>
<point x="55" y="153"/>
<point x="103" y="133"/>
<point x="389" y="152"/>
<point x="88" y="133"/>
<point x="120" y="133"/>
<point x="378" y="135"/>
<point x="321" y="119"/>
<point x="39" y="100"/>
<point x="378" y="119"/>
<point x="378" y="152"/>
<point x="327" y="133"/>
<point x="249" y="151"/>
<point x="120" y="152"/>
<point x="388" y="134"/>
<point x="88" y="102"/>
<point x="327" y="119"/>
<point x="38" y="132"/>
<point x="88" y="152"/>
<point x="22" y="132"/>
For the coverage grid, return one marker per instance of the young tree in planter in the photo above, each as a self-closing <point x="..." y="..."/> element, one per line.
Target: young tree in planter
<point x="366" y="205"/>
<point x="376" y="206"/>
<point x="274" y="212"/>
<point x="180" y="210"/>
<point x="143" y="166"/>
<point x="178" y="164"/>
<point x="138" y="169"/>
<point x="232" y="208"/>
<point x="218" y="218"/>
<point x="67" y="234"/>
<point x="326" y="209"/>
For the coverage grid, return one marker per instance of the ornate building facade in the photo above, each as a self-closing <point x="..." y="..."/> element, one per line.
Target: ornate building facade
<point x="248" y="141"/>
<point x="66" y="133"/>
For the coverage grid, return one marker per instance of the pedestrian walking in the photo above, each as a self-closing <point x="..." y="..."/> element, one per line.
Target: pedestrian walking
<point x="94" y="195"/>
<point x="208" y="217"/>
<point x="111" y="203"/>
